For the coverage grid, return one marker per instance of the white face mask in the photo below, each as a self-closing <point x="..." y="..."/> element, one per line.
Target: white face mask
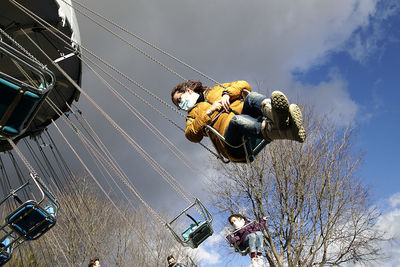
<point x="238" y="224"/>
<point x="188" y="100"/>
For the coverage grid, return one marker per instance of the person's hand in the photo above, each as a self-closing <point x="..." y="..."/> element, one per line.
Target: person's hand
<point x="265" y="218"/>
<point x="216" y="106"/>
<point x="225" y="102"/>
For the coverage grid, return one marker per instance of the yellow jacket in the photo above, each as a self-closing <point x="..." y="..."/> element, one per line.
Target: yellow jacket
<point x="197" y="118"/>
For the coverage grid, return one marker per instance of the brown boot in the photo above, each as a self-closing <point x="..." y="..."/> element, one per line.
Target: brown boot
<point x="295" y="131"/>
<point x="296" y="124"/>
<point x="277" y="109"/>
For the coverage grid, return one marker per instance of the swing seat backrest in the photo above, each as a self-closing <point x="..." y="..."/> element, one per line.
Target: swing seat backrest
<point x="17" y="107"/>
<point x="195" y="234"/>
<point x="190" y="229"/>
<point x="31" y="221"/>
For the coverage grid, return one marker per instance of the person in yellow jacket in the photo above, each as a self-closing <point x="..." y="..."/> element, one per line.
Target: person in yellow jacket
<point x="223" y="108"/>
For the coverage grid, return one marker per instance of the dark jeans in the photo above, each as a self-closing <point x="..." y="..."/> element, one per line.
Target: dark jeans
<point x="247" y="124"/>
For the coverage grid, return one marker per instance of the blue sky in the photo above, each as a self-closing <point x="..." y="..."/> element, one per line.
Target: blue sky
<point x="373" y="83"/>
<point x="340" y="55"/>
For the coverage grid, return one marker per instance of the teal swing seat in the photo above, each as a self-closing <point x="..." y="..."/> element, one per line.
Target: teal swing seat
<point x="5" y="250"/>
<point x="32" y="218"/>
<point x="32" y="221"/>
<point x="19" y="100"/>
<point x="198" y="231"/>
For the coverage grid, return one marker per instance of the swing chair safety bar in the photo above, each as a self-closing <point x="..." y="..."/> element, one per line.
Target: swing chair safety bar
<point x="44" y="192"/>
<point x="231" y="233"/>
<point x="208" y="216"/>
<point x="220" y="137"/>
<point x="208" y="128"/>
<point x="13" y="192"/>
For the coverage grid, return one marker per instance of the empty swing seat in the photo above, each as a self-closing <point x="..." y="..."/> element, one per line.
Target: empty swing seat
<point x="197" y="233"/>
<point x="17" y="107"/>
<point x="5" y="254"/>
<point x="31" y="220"/>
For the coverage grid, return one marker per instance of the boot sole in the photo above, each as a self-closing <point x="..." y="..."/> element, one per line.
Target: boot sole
<point x="280" y="109"/>
<point x="296" y="121"/>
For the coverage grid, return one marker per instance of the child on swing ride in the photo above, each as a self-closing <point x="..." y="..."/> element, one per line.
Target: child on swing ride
<point x="248" y="235"/>
<point x="221" y="106"/>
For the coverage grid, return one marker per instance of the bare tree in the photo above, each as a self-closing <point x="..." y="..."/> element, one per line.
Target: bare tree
<point x="319" y="210"/>
<point x="89" y="226"/>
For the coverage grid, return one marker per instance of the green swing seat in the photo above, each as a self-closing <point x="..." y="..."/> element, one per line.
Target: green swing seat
<point x="198" y="231"/>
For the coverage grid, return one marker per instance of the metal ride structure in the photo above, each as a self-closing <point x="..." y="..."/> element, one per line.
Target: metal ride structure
<point x="32" y="72"/>
<point x="24" y="69"/>
<point x="28" y="81"/>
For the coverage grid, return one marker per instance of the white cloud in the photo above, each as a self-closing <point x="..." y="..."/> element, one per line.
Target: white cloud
<point x="367" y="40"/>
<point x="208" y="256"/>
<point x="217" y="238"/>
<point x="389" y="222"/>
<point x="331" y="97"/>
<point x="394" y="200"/>
<point x="311" y="29"/>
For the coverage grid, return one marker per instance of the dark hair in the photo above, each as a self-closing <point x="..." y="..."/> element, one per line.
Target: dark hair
<point x="170" y="257"/>
<point x="197" y="87"/>
<point x="91" y="263"/>
<point x="237" y="215"/>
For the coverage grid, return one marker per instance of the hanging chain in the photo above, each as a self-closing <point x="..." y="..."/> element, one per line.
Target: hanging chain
<point x="144" y="41"/>
<point x="22" y="48"/>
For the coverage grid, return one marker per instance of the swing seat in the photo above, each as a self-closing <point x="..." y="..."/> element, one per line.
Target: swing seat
<point x="17" y="107"/>
<point x="198" y="231"/>
<point x="242" y="251"/>
<point x="239" y="249"/>
<point x="195" y="234"/>
<point x="185" y="234"/>
<point x="251" y="146"/>
<point x="5" y="254"/>
<point x="32" y="221"/>
<point x="19" y="100"/>
<point x="254" y="146"/>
